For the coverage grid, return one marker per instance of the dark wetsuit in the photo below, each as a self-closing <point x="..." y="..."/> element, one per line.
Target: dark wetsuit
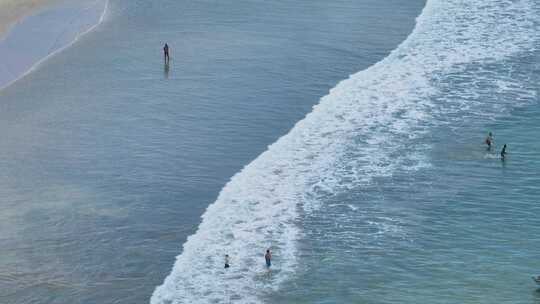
<point x="503" y="152"/>
<point x="166" y="53"/>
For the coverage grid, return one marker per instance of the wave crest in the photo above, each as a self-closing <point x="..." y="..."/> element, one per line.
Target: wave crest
<point x="361" y="130"/>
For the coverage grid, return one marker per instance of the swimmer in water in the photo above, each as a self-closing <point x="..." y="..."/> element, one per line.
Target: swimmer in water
<point x="503" y="152"/>
<point x="268" y="258"/>
<point x="227" y="261"/>
<point x="489" y="140"/>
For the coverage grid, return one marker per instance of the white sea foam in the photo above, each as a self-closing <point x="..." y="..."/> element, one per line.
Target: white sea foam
<point x="359" y="131"/>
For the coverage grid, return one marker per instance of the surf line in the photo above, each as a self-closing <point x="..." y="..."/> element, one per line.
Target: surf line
<point x="52" y="51"/>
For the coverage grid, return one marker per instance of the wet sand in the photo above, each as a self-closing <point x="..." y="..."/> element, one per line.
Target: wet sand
<point x="11" y="11"/>
<point x="34" y="30"/>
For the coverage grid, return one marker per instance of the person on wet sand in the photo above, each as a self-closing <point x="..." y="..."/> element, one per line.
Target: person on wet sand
<point x="166" y="57"/>
<point x="268" y="258"/>
<point x="227" y="261"/>
<point x="503" y="152"/>
<point x="489" y="140"/>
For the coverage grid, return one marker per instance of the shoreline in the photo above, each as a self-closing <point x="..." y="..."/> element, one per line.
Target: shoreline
<point x="58" y="26"/>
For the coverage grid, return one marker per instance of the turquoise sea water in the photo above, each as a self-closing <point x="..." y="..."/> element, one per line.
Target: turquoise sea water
<point x="383" y="193"/>
<point x="108" y="159"/>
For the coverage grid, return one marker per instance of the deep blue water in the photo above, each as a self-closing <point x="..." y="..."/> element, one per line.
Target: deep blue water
<point x="108" y="159"/>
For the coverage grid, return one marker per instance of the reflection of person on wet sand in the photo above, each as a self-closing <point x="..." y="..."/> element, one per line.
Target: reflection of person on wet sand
<point x="166" y="71"/>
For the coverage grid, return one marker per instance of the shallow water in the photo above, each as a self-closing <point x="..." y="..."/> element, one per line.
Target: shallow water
<point x="108" y="159"/>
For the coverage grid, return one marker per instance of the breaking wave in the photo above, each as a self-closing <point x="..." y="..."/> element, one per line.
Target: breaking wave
<point x="356" y="133"/>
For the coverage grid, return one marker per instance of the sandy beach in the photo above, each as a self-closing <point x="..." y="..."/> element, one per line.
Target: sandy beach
<point x="11" y="11"/>
<point x="33" y="30"/>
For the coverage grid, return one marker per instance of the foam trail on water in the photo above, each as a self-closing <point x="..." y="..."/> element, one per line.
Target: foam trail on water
<point x="356" y="133"/>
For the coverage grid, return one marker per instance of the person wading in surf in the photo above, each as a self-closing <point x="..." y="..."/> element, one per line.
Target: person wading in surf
<point x="227" y="261"/>
<point x="489" y="140"/>
<point x="503" y="152"/>
<point x="166" y="53"/>
<point x="268" y="258"/>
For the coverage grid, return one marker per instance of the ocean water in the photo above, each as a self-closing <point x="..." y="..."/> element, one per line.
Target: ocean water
<point x="108" y="159"/>
<point x="382" y="193"/>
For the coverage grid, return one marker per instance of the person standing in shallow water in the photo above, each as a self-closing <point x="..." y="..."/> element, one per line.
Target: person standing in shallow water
<point x="268" y="258"/>
<point x="503" y="152"/>
<point x="227" y="261"/>
<point x="489" y="140"/>
<point x="166" y="53"/>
